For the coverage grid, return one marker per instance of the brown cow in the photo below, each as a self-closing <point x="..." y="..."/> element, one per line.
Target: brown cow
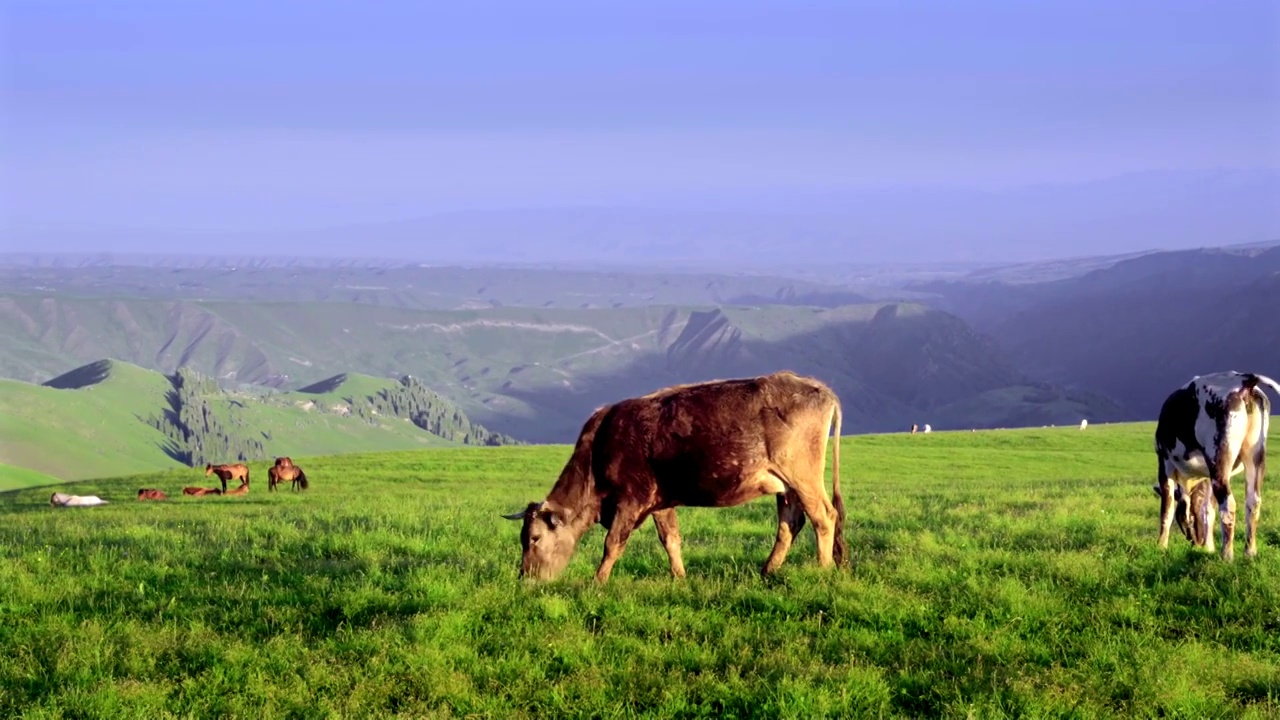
<point x="280" y="474"/>
<point x="238" y="471"/>
<point x="150" y="494"/>
<point x="712" y="444"/>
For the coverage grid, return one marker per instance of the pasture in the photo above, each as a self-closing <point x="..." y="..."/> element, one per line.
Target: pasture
<point x="995" y="574"/>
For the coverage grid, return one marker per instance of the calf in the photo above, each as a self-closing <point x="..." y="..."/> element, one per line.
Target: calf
<point x="1210" y="430"/>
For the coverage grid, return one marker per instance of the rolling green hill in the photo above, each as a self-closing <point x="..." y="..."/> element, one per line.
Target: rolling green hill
<point x="534" y="374"/>
<point x="114" y="418"/>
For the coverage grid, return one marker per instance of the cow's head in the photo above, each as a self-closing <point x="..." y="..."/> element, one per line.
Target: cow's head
<point x="546" y="539"/>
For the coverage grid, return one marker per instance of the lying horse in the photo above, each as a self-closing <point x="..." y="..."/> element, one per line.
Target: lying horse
<point x="239" y="471"/>
<point x="64" y="500"/>
<point x="277" y="475"/>
<point x="198" y="491"/>
<point x="150" y="494"/>
<point x="242" y="490"/>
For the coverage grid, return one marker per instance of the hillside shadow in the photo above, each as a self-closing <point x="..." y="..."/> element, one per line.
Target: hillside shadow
<point x="890" y="371"/>
<point x="325" y="386"/>
<point x="173" y="414"/>
<point x="82" y="377"/>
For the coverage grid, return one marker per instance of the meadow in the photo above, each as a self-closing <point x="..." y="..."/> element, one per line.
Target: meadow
<point x="994" y="574"/>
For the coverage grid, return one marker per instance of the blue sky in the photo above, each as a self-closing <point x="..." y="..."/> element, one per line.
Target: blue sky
<point x="262" y="116"/>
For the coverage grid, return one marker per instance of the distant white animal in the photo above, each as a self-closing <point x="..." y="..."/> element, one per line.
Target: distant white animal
<point x="1084" y="424"/>
<point x="1210" y="430"/>
<point x="928" y="428"/>
<point x="64" y="500"/>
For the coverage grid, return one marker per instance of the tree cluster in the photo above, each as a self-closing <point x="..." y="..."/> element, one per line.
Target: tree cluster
<point x="198" y="434"/>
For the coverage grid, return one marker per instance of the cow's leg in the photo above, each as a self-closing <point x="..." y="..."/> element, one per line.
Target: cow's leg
<point x="1164" y="488"/>
<point x="790" y="523"/>
<point x="823" y="516"/>
<point x="669" y="534"/>
<point x="1254" y="468"/>
<point x="625" y="520"/>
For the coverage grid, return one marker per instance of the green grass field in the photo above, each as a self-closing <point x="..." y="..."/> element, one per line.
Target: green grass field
<point x="995" y="574"/>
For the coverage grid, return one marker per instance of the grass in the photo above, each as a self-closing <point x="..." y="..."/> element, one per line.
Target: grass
<point x="995" y="574"/>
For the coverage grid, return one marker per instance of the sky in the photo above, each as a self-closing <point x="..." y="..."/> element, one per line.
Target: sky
<point x="266" y="117"/>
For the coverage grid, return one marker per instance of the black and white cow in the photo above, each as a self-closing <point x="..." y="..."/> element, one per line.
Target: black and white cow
<point x="1209" y="431"/>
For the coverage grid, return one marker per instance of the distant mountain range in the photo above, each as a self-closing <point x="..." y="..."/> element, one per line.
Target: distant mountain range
<point x="1136" y="328"/>
<point x="534" y="373"/>
<point x="528" y="353"/>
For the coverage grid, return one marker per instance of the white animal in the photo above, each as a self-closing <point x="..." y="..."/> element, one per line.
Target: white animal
<point x="1084" y="424"/>
<point x="1210" y="430"/>
<point x="928" y="428"/>
<point x="64" y="500"/>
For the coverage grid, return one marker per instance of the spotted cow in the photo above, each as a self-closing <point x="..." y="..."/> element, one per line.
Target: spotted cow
<point x="1210" y="430"/>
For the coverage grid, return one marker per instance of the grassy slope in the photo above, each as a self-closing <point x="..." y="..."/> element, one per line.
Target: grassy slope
<point x="1001" y="574"/>
<point x="14" y="478"/>
<point x="90" y="432"/>
<point x="100" y="430"/>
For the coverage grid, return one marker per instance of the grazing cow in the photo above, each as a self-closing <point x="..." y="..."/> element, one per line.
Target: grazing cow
<point x="198" y="491"/>
<point x="64" y="500"/>
<point x="1209" y="431"/>
<point x="279" y="474"/>
<point x="239" y="471"/>
<point x="712" y="444"/>
<point x="150" y="494"/>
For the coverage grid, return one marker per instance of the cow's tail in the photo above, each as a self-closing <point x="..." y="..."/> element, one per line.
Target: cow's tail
<point x="839" y="552"/>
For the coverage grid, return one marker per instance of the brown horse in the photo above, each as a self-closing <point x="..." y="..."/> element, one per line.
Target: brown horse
<point x="198" y="491"/>
<point x="242" y="490"/>
<point x="284" y="462"/>
<point x="277" y="475"/>
<point x="150" y="494"/>
<point x="239" y="471"/>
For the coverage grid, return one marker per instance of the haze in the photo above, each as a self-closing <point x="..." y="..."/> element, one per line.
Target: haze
<point x="850" y="131"/>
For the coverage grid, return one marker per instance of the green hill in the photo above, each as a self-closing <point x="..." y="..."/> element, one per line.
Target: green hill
<point x="16" y="478"/>
<point x="114" y="418"/>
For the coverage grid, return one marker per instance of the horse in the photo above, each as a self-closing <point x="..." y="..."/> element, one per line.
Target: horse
<point x="284" y="462"/>
<point x="239" y="471"/>
<point x="242" y="490"/>
<point x="277" y="475"/>
<point x="150" y="494"/>
<point x="198" y="491"/>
